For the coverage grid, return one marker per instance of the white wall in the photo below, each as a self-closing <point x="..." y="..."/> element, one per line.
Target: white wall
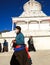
<point x="43" y="26"/>
<point x="40" y="43"/>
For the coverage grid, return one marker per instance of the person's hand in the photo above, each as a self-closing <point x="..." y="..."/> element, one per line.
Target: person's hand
<point x="13" y="41"/>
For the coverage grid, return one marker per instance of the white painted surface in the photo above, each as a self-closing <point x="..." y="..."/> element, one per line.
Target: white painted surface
<point x="32" y="9"/>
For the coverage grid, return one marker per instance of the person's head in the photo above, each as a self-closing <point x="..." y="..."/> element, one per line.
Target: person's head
<point x="30" y="37"/>
<point x="17" y="29"/>
<point x="4" y="40"/>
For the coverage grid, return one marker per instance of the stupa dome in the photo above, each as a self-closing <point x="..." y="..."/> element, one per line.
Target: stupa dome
<point x="32" y="5"/>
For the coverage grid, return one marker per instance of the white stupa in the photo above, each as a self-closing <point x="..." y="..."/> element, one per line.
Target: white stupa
<point x="32" y="14"/>
<point x="34" y="22"/>
<point x="32" y="9"/>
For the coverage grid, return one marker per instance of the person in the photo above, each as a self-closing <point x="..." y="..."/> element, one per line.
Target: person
<point x="31" y="45"/>
<point x="0" y="47"/>
<point x="20" y="55"/>
<point x="5" y="46"/>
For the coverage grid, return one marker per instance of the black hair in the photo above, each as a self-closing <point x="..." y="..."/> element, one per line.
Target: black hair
<point x="19" y="28"/>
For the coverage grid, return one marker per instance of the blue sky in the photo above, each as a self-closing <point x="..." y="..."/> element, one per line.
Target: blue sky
<point x="13" y="8"/>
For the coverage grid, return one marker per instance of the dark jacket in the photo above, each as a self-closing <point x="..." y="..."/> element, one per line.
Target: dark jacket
<point x="31" y="45"/>
<point x="5" y="43"/>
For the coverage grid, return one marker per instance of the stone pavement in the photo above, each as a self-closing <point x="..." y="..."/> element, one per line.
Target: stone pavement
<point x="38" y="58"/>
